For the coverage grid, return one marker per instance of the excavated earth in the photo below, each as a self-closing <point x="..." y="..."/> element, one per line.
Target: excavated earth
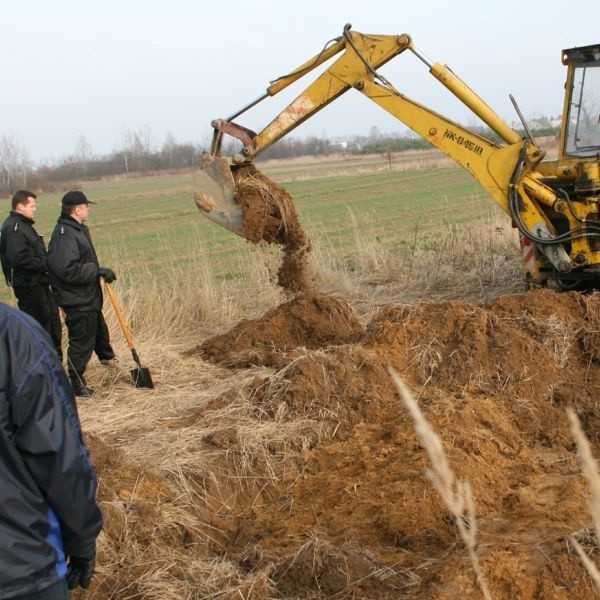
<point x="351" y="512"/>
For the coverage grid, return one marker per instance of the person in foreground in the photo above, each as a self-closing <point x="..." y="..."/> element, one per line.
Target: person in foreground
<point x="25" y="265"/>
<point x="75" y="278"/>
<point x="49" y="518"/>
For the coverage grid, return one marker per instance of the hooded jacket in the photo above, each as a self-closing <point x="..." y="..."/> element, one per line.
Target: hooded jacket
<point x="73" y="266"/>
<point x="22" y="253"/>
<point x="48" y="486"/>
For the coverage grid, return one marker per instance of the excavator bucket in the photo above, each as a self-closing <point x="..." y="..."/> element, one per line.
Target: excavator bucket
<point x="214" y="193"/>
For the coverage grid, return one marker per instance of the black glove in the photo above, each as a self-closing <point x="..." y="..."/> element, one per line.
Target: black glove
<point x="80" y="571"/>
<point x="108" y="274"/>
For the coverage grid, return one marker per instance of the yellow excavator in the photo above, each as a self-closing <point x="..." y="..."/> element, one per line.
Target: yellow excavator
<point x="554" y="204"/>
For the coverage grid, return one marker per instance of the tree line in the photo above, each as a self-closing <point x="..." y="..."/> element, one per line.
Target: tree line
<point x="137" y="154"/>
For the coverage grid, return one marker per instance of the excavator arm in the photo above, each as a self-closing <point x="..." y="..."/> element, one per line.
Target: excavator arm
<point x="508" y="171"/>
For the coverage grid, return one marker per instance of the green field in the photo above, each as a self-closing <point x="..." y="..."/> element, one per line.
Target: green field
<point x="150" y="224"/>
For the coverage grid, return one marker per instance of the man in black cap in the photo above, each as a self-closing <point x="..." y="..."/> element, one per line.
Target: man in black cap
<point x="25" y="265"/>
<point x="75" y="277"/>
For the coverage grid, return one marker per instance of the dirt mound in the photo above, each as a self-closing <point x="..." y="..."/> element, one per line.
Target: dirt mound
<point x="351" y="513"/>
<point x="310" y="320"/>
<point x="488" y="379"/>
<point x="269" y="215"/>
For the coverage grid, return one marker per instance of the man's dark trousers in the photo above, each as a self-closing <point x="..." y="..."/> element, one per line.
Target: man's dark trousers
<point x="38" y="302"/>
<point x="88" y="333"/>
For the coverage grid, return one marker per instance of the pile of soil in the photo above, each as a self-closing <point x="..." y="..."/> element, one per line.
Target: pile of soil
<point x="269" y="215"/>
<point x="354" y="514"/>
<point x="360" y="515"/>
<point x="310" y="320"/>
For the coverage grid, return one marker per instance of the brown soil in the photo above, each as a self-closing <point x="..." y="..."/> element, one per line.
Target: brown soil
<point x="269" y="215"/>
<point x="310" y="320"/>
<point x="350" y="512"/>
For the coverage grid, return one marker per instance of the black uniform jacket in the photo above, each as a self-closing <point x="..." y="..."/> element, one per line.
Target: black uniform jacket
<point x="73" y="266"/>
<point x="47" y="483"/>
<point x="22" y="253"/>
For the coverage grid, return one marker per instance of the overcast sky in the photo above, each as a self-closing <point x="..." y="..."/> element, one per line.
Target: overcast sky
<point x="73" y="67"/>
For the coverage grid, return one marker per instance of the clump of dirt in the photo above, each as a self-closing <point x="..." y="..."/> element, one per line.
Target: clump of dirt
<point x="269" y="215"/>
<point x="310" y="320"/>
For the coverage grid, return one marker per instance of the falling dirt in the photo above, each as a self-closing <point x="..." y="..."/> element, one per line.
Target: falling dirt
<point x="351" y="512"/>
<point x="269" y="215"/>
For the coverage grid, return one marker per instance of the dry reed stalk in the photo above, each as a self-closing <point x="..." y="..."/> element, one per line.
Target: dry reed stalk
<point x="457" y="495"/>
<point x="590" y="471"/>
<point x="589" y="467"/>
<point x="590" y="567"/>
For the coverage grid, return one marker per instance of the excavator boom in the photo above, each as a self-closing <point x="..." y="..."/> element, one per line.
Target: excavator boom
<point x="562" y="226"/>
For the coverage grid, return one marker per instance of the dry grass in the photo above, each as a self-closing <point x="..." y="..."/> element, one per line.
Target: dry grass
<point x="471" y="262"/>
<point x="457" y="495"/>
<point x="193" y="294"/>
<point x="304" y="167"/>
<point x="318" y="563"/>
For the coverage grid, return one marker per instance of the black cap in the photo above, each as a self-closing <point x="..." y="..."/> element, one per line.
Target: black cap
<point x="75" y="198"/>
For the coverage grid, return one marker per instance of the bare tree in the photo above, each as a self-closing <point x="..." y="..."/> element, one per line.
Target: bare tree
<point x="25" y="165"/>
<point x="83" y="153"/>
<point x="374" y="133"/>
<point x="9" y="161"/>
<point x="137" y="145"/>
<point x="169" y="147"/>
<point x="388" y="154"/>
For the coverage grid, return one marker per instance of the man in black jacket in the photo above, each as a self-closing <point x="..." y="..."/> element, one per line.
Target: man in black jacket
<point x="75" y="278"/>
<point x="25" y="265"/>
<point x="49" y="518"/>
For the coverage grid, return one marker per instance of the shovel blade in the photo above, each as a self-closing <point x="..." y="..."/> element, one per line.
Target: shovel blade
<point x="142" y="378"/>
<point x="214" y="193"/>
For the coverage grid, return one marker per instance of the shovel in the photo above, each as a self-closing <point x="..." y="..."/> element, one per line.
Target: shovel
<point x="140" y="375"/>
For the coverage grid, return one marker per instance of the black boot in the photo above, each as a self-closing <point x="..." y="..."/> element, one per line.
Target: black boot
<point x="80" y="388"/>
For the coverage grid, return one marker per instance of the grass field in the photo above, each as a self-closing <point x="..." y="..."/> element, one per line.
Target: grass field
<point x="150" y="225"/>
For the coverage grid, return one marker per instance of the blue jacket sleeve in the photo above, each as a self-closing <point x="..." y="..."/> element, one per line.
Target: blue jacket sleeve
<point x="48" y="436"/>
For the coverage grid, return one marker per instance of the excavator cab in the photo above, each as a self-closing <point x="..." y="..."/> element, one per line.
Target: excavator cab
<point x="581" y="123"/>
<point x="575" y="175"/>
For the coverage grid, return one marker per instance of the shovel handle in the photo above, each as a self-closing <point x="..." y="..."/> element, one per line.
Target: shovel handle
<point x="119" y="313"/>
